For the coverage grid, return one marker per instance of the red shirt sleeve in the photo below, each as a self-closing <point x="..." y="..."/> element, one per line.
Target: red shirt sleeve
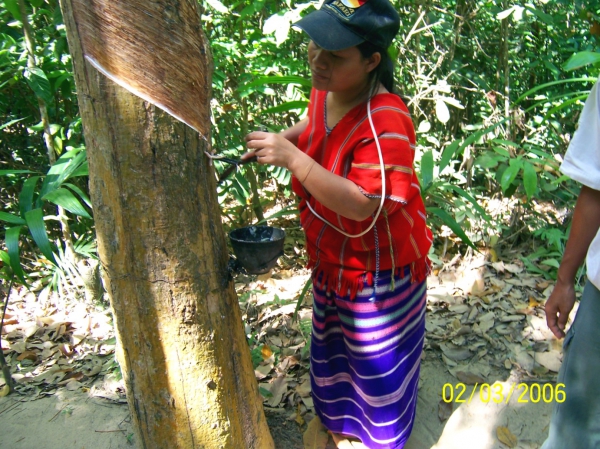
<point x="396" y="137"/>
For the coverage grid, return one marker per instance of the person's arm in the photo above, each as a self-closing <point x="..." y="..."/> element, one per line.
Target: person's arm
<point x="293" y="133"/>
<point x="586" y="222"/>
<point x="334" y="192"/>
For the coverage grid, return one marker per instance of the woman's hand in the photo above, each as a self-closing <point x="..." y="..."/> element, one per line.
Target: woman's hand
<point x="334" y="192"/>
<point x="270" y="148"/>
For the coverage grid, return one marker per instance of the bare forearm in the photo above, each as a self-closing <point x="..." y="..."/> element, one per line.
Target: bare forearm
<point x="586" y="221"/>
<point x="334" y="192"/>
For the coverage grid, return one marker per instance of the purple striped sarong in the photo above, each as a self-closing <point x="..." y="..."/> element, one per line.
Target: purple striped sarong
<point x="365" y="360"/>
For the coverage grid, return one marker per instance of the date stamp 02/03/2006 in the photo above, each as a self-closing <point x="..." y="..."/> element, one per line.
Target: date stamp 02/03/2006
<point x="501" y="393"/>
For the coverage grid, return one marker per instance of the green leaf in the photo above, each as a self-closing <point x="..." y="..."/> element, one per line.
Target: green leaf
<point x="265" y="393"/>
<point x="546" y="18"/>
<point x="12" y="245"/>
<point x="10" y="218"/>
<point x="65" y="199"/>
<point x="79" y="192"/>
<point x="553" y="83"/>
<point x="441" y="111"/>
<point x="509" y="175"/>
<point x="505" y="14"/>
<point x="82" y="170"/>
<point x="241" y="187"/>
<point x="289" y="106"/>
<point x="37" y="80"/>
<point x="12" y="122"/>
<point x="487" y="160"/>
<point x="289" y="210"/>
<point x="276" y="80"/>
<point x="37" y="228"/>
<point x="582" y="59"/>
<point x="65" y="167"/>
<point x="218" y="6"/>
<point x="551" y="263"/>
<point x="13" y="7"/>
<point x="531" y="268"/>
<point x="427" y="169"/>
<point x="278" y="24"/>
<point x="452" y="224"/>
<point x="14" y="172"/>
<point x="448" y="154"/>
<point x="452" y="102"/>
<point x="472" y="200"/>
<point x="4" y="257"/>
<point x="529" y="179"/>
<point x="26" y="195"/>
<point x="565" y="104"/>
<point x="508" y="143"/>
<point x="305" y="289"/>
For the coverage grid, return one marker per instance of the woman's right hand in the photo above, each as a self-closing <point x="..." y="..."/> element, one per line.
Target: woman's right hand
<point x="274" y="149"/>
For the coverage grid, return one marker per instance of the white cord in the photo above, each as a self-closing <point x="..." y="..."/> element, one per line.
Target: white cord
<point x="341" y="231"/>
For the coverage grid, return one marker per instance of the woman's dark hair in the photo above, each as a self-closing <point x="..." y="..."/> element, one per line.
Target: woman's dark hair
<point x="383" y="73"/>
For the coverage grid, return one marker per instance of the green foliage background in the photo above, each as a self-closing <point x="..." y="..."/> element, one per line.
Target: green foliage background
<point x="494" y="87"/>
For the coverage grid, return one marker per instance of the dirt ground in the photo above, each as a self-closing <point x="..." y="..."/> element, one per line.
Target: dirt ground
<point x="484" y="326"/>
<point x="74" y="420"/>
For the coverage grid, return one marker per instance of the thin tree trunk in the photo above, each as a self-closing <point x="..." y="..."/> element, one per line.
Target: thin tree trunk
<point x="3" y="365"/>
<point x="506" y="70"/>
<point x="183" y="354"/>
<point x="48" y="140"/>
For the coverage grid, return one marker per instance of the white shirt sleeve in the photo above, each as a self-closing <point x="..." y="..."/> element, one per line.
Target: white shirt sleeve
<point x="582" y="160"/>
<point x="582" y="163"/>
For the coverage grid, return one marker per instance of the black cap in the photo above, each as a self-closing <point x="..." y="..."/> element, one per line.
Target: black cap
<point x="341" y="24"/>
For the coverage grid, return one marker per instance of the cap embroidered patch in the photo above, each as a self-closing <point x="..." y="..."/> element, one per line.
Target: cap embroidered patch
<point x="354" y="3"/>
<point x="346" y="8"/>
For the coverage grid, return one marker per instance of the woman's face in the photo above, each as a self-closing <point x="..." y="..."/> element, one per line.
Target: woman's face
<point x="339" y="71"/>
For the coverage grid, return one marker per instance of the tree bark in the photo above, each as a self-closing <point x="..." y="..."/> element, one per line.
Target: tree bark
<point x="183" y="353"/>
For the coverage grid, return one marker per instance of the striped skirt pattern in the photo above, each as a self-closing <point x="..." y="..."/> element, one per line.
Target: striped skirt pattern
<point x="365" y="360"/>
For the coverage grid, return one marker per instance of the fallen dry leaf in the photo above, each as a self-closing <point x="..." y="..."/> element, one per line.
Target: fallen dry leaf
<point x="493" y="255"/>
<point x="455" y="353"/>
<point x="445" y="410"/>
<point x="506" y="437"/>
<point x="263" y="371"/>
<point x="278" y="389"/>
<point x="513" y="268"/>
<point x="4" y="391"/>
<point x="551" y="360"/>
<point x="299" y="419"/>
<point x="304" y="389"/>
<point x="266" y="352"/>
<point x="18" y="347"/>
<point x="73" y="385"/>
<point x="315" y="436"/>
<point x="469" y="378"/>
<point x="29" y="355"/>
<point x="533" y="302"/>
<point x="308" y="403"/>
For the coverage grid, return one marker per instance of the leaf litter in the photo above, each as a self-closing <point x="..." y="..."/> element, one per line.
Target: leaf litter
<point x="48" y="347"/>
<point x="482" y="331"/>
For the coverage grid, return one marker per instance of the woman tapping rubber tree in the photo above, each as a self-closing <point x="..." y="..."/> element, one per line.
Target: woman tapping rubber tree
<point x="364" y="219"/>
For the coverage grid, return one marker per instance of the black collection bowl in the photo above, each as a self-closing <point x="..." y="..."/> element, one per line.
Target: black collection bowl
<point x="257" y="248"/>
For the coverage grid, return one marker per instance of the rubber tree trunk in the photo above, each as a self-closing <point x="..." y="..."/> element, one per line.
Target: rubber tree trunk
<point x="183" y="353"/>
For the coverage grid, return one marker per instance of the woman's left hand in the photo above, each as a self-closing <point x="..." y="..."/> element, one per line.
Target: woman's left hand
<point x="270" y="148"/>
